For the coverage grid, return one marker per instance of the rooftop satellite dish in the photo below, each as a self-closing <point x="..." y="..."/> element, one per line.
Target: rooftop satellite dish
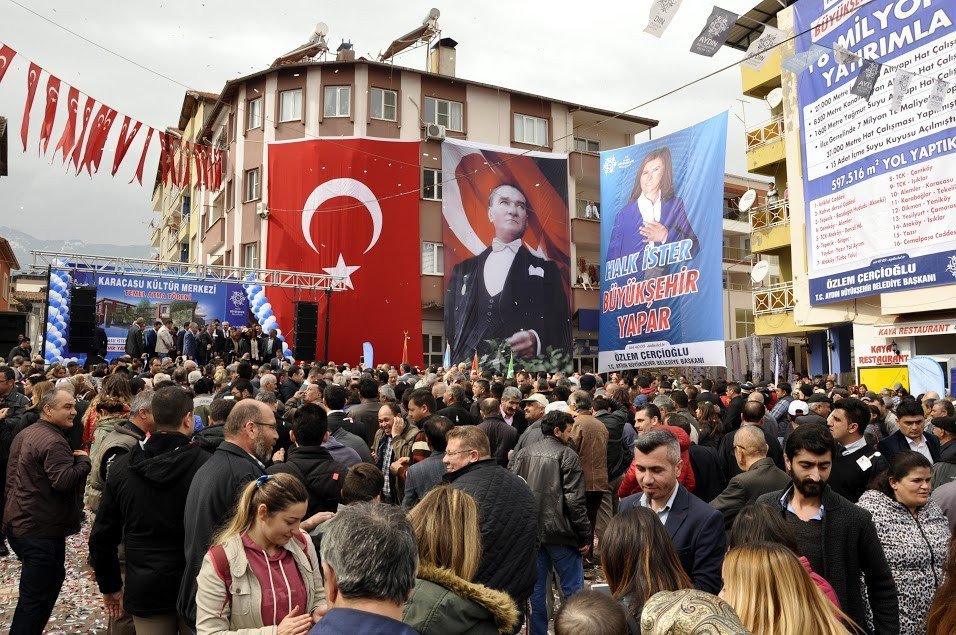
<point x="321" y="29"/>
<point x="747" y="200"/>
<point x="760" y="271"/>
<point x="774" y="97"/>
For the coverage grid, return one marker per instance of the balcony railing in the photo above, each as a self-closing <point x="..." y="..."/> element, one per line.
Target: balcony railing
<point x="735" y="254"/>
<point x="775" y="299"/>
<point x="581" y="210"/>
<point x="770" y="215"/>
<point x="766" y="133"/>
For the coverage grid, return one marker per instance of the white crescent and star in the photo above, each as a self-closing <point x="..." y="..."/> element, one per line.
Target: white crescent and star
<point x="3" y="62"/>
<point x="343" y="187"/>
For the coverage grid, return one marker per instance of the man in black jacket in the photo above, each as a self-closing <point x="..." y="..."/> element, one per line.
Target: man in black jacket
<point x="250" y="434"/>
<point x="135" y="342"/>
<point x="142" y="507"/>
<point x="12" y="406"/>
<point x="735" y="406"/>
<point x="291" y="384"/>
<point x="759" y="475"/>
<point x="751" y="414"/>
<point x="501" y="437"/>
<point x="334" y="400"/>
<point x="856" y="462"/>
<point x="311" y="462"/>
<point x="911" y="435"/>
<point x="506" y="513"/>
<point x="553" y="472"/>
<point x="455" y="407"/>
<point x="365" y="414"/>
<point x="835" y="536"/>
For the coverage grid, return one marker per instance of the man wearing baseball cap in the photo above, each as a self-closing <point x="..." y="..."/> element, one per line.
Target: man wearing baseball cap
<point x="944" y="470"/>
<point x="534" y="409"/>
<point x="796" y="411"/>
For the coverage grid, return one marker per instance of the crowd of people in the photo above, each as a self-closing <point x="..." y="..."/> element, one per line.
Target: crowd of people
<point x="228" y="490"/>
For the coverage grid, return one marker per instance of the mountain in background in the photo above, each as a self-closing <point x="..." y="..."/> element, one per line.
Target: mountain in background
<point x="24" y="243"/>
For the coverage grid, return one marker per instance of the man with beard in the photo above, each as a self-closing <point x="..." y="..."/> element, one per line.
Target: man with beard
<point x="835" y="536"/>
<point x="250" y="433"/>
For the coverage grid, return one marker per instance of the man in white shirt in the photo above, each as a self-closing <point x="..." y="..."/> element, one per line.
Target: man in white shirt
<point x="506" y="294"/>
<point x="164" y="340"/>
<point x="911" y="435"/>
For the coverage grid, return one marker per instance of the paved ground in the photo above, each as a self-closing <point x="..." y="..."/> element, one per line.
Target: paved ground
<point x="79" y="609"/>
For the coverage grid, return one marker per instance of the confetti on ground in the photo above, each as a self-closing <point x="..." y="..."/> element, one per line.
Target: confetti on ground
<point x="79" y="609"/>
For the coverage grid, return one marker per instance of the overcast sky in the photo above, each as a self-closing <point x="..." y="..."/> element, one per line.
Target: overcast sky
<point x="594" y="53"/>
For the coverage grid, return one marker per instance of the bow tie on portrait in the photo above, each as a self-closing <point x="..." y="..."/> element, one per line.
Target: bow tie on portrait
<point x="514" y="245"/>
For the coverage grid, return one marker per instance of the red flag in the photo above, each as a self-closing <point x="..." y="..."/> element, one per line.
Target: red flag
<point x="97" y="140"/>
<point x="142" y="158"/>
<point x="164" y="151"/>
<point x="474" y="364"/>
<point x="184" y="154"/>
<point x="217" y="169"/>
<point x="52" y="98"/>
<point x="405" y="347"/>
<point x="69" y="130"/>
<point x="357" y="222"/>
<point x="78" y="148"/>
<point x="124" y="142"/>
<point x="33" y="78"/>
<point x="6" y="57"/>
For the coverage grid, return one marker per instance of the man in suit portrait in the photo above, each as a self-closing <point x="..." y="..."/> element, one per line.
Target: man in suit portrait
<point x="506" y="293"/>
<point x="912" y="434"/>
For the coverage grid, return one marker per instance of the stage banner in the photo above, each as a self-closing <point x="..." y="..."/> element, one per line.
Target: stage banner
<point x="879" y="173"/>
<point x="122" y="299"/>
<point x="507" y="256"/>
<point x="661" y="243"/>
<point x="349" y="207"/>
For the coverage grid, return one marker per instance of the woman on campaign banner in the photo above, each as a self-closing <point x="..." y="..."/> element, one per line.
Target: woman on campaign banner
<point x="661" y="286"/>
<point x="654" y="215"/>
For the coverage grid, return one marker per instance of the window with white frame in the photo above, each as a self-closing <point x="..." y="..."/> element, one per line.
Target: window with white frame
<point x="252" y="185"/>
<point x="444" y="113"/>
<point x="744" y="322"/>
<point x="433" y="259"/>
<point x="531" y="130"/>
<point x="250" y="255"/>
<point x="290" y="105"/>
<point x="254" y="113"/>
<point x="586" y="145"/>
<point x="384" y="104"/>
<point x="337" y="101"/>
<point x="431" y="184"/>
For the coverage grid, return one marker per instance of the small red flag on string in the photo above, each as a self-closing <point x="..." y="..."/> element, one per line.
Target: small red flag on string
<point x="52" y="99"/>
<point x="96" y="142"/>
<point x="142" y="158"/>
<point x="6" y="57"/>
<point x="78" y="148"/>
<point x="69" y="130"/>
<point x="124" y="142"/>
<point x="33" y="78"/>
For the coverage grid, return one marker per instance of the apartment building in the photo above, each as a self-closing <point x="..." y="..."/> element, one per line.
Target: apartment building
<point x="850" y="338"/>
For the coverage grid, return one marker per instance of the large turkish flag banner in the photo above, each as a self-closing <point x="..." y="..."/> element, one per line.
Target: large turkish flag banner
<point x="349" y="207"/>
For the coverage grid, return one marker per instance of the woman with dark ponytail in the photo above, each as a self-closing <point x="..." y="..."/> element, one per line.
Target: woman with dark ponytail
<point x="261" y="574"/>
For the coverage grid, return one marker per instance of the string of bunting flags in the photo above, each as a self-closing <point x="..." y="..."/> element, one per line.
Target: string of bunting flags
<point x="83" y="140"/>
<point x="717" y="28"/>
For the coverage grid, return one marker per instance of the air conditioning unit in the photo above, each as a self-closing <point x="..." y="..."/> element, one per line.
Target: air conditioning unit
<point x="262" y="211"/>
<point x="434" y="131"/>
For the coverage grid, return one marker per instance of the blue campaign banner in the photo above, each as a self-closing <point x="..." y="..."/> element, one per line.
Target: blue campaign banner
<point x="121" y="299"/>
<point x="879" y="173"/>
<point x="661" y="242"/>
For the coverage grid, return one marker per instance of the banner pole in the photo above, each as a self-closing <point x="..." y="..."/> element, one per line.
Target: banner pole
<point x="46" y="310"/>
<point x="328" y="313"/>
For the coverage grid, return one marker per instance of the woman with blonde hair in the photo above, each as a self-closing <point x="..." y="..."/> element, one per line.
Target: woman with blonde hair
<point x="445" y="599"/>
<point x="773" y="593"/>
<point x="261" y="575"/>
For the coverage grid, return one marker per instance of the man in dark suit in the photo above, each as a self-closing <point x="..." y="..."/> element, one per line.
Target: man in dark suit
<point x="455" y="407"/>
<point x="190" y="340"/>
<point x="759" y="475"/>
<point x="270" y="347"/>
<point x="365" y="414"/>
<point x="135" y="342"/>
<point x="911" y="435"/>
<point x="735" y="405"/>
<point x="149" y="336"/>
<point x="506" y="293"/>
<point x="752" y="415"/>
<point x="101" y="343"/>
<point x="696" y="528"/>
<point x="204" y="345"/>
<point x="181" y="339"/>
<point x="855" y="462"/>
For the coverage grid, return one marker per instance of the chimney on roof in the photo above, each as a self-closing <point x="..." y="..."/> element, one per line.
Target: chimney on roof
<point x="345" y="52"/>
<point x="441" y="57"/>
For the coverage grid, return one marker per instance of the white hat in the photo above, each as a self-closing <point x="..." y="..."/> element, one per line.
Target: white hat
<point x="798" y="407"/>
<point x="538" y="398"/>
<point x="561" y="406"/>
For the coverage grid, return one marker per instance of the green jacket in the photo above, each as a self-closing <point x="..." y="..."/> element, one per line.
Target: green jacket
<point x="443" y="603"/>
